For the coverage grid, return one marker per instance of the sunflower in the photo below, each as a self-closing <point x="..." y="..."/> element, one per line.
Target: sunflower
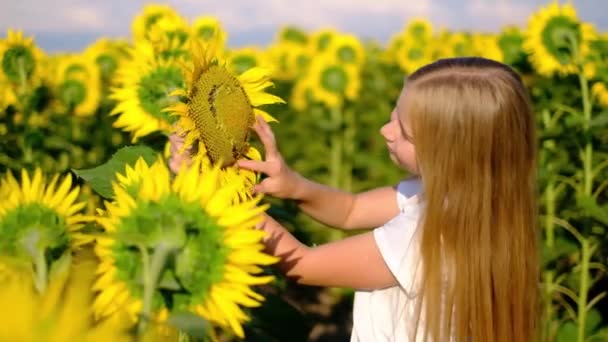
<point x="333" y="81"/>
<point x="247" y="57"/>
<point x="347" y="49"/>
<point x="419" y="29"/>
<point x="292" y="34"/>
<point x="413" y="55"/>
<point x="108" y="55"/>
<point x="209" y="29"/>
<point x="457" y="45"/>
<point x="556" y="38"/>
<point x="169" y="37"/>
<point x="389" y="54"/>
<point x="60" y="314"/>
<point x="39" y="222"/>
<point x="600" y="92"/>
<point x="486" y="45"/>
<point x="7" y="94"/>
<point x="219" y="110"/>
<point x="78" y="84"/>
<point x="290" y="60"/>
<point x="321" y="40"/>
<point x="145" y="23"/>
<point x="301" y="94"/>
<point x="175" y="245"/>
<point x="511" y="41"/>
<point x="596" y="62"/>
<point x="144" y="85"/>
<point x="19" y="57"/>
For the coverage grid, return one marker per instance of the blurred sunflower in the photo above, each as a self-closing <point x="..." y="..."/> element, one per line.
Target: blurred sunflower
<point x="78" y="84"/>
<point x="245" y="58"/>
<point x="108" y="54"/>
<point x="332" y="81"/>
<point x="596" y="62"/>
<point x="20" y="58"/>
<point x="144" y="86"/>
<point x="60" y="314"/>
<point x="170" y="37"/>
<point x="419" y="29"/>
<point x="555" y="38"/>
<point x="145" y="23"/>
<point x="293" y="35"/>
<point x="290" y="60"/>
<point x="511" y="41"/>
<point x="7" y="94"/>
<point x="219" y="110"/>
<point x="389" y="54"/>
<point x="209" y="29"/>
<point x="347" y="49"/>
<point x="39" y="222"/>
<point x="183" y="237"/>
<point x="486" y="45"/>
<point x="458" y="45"/>
<point x="301" y="95"/>
<point x="413" y="55"/>
<point x="600" y="92"/>
<point x="321" y="40"/>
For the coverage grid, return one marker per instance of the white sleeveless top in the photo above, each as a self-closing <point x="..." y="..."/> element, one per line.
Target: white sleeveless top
<point x="390" y="314"/>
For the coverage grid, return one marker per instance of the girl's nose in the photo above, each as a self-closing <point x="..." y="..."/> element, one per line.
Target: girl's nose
<point x="386" y="130"/>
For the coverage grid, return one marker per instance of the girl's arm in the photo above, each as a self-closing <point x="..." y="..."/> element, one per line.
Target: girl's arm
<point x="354" y="262"/>
<point x="330" y="206"/>
<point x="342" y="209"/>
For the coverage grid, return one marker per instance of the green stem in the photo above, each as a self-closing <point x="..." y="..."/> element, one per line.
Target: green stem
<point x="22" y="77"/>
<point x="583" y="290"/>
<point x="337" y="156"/>
<point x="550" y="214"/>
<point x="27" y="152"/>
<point x="41" y="271"/>
<point x="548" y="285"/>
<point x="587" y="153"/>
<point x="336" y="148"/>
<point x="152" y="270"/>
<point x="349" y="148"/>
<point x="588" y="149"/>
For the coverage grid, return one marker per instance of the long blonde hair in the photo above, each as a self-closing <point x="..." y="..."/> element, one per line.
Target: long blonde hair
<point x="473" y="129"/>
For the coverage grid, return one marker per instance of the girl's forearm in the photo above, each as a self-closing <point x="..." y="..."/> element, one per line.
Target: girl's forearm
<point x="325" y="204"/>
<point x="280" y="243"/>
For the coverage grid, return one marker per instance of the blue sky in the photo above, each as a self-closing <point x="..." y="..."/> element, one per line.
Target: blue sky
<point x="70" y="25"/>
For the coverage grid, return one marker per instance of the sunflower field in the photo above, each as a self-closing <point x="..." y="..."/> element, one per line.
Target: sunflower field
<point x="102" y="239"/>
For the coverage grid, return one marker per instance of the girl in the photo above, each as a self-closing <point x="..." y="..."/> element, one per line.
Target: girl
<point x="454" y="256"/>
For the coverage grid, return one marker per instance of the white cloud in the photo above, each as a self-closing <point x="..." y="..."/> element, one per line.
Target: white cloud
<point x="243" y="15"/>
<point x="251" y="19"/>
<point x="86" y="17"/>
<point x="55" y="16"/>
<point x="493" y="14"/>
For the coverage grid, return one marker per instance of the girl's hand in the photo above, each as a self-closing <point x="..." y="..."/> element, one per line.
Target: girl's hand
<point x="281" y="181"/>
<point x="177" y="160"/>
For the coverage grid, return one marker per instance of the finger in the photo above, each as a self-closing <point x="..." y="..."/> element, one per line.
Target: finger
<point x="254" y="165"/>
<point x="261" y="188"/>
<point x="267" y="137"/>
<point x="174" y="165"/>
<point x="267" y="129"/>
<point x="174" y="148"/>
<point x="176" y="137"/>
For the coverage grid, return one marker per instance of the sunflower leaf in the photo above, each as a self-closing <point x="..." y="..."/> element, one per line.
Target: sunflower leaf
<point x="191" y="324"/>
<point x="566" y="332"/>
<point x="101" y="177"/>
